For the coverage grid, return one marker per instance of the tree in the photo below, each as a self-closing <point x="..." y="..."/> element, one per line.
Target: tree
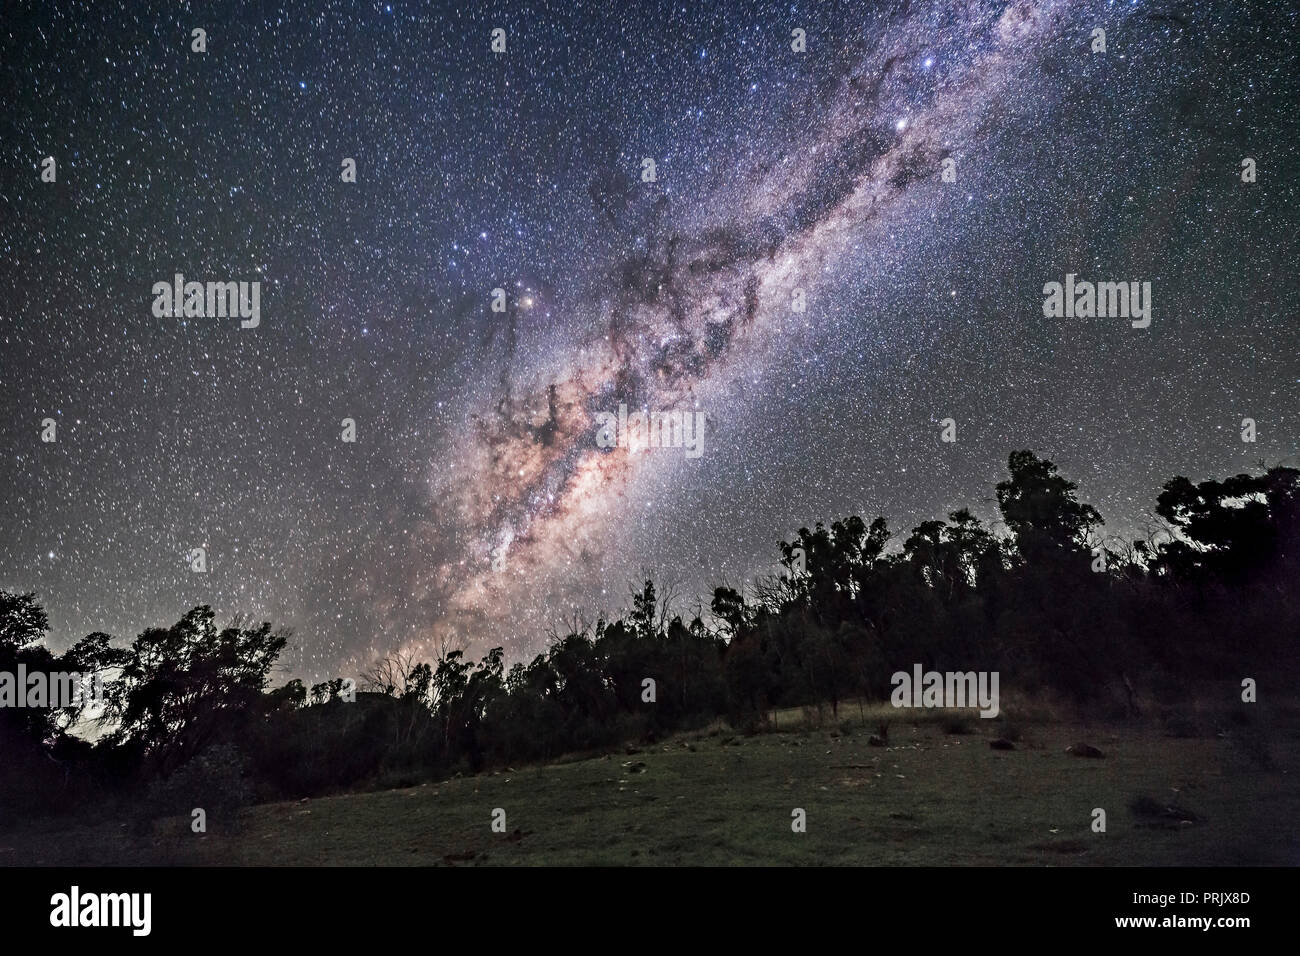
<point x="22" y="621"/>
<point x="190" y="684"/>
<point x="1040" y="508"/>
<point x="729" y="606"/>
<point x="1229" y="528"/>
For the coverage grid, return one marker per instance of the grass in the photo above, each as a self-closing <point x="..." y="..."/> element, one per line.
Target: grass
<point x="719" y="797"/>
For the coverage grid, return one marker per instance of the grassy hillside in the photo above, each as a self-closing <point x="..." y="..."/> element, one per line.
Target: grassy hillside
<point x="933" y="796"/>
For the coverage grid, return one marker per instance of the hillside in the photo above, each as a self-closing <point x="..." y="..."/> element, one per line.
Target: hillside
<point x="932" y="797"/>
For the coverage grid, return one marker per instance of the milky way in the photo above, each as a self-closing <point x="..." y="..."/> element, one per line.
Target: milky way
<point x="685" y="303"/>
<point x="476" y="506"/>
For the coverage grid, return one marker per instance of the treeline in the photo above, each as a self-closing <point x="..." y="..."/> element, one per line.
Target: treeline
<point x="189" y="718"/>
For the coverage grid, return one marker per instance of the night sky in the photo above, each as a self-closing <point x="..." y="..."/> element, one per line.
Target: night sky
<point x="475" y="506"/>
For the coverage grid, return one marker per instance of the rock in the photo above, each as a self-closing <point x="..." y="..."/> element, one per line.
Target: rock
<point x="1158" y="813"/>
<point x="1084" y="750"/>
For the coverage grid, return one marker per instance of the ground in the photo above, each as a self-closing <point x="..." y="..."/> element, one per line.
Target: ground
<point x="932" y="797"/>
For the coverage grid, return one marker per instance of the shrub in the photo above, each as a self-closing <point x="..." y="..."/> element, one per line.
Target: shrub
<point x="214" y="780"/>
<point x="956" y="724"/>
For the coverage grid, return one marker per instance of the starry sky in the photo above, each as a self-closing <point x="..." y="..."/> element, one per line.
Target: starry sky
<point x="475" y="506"/>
